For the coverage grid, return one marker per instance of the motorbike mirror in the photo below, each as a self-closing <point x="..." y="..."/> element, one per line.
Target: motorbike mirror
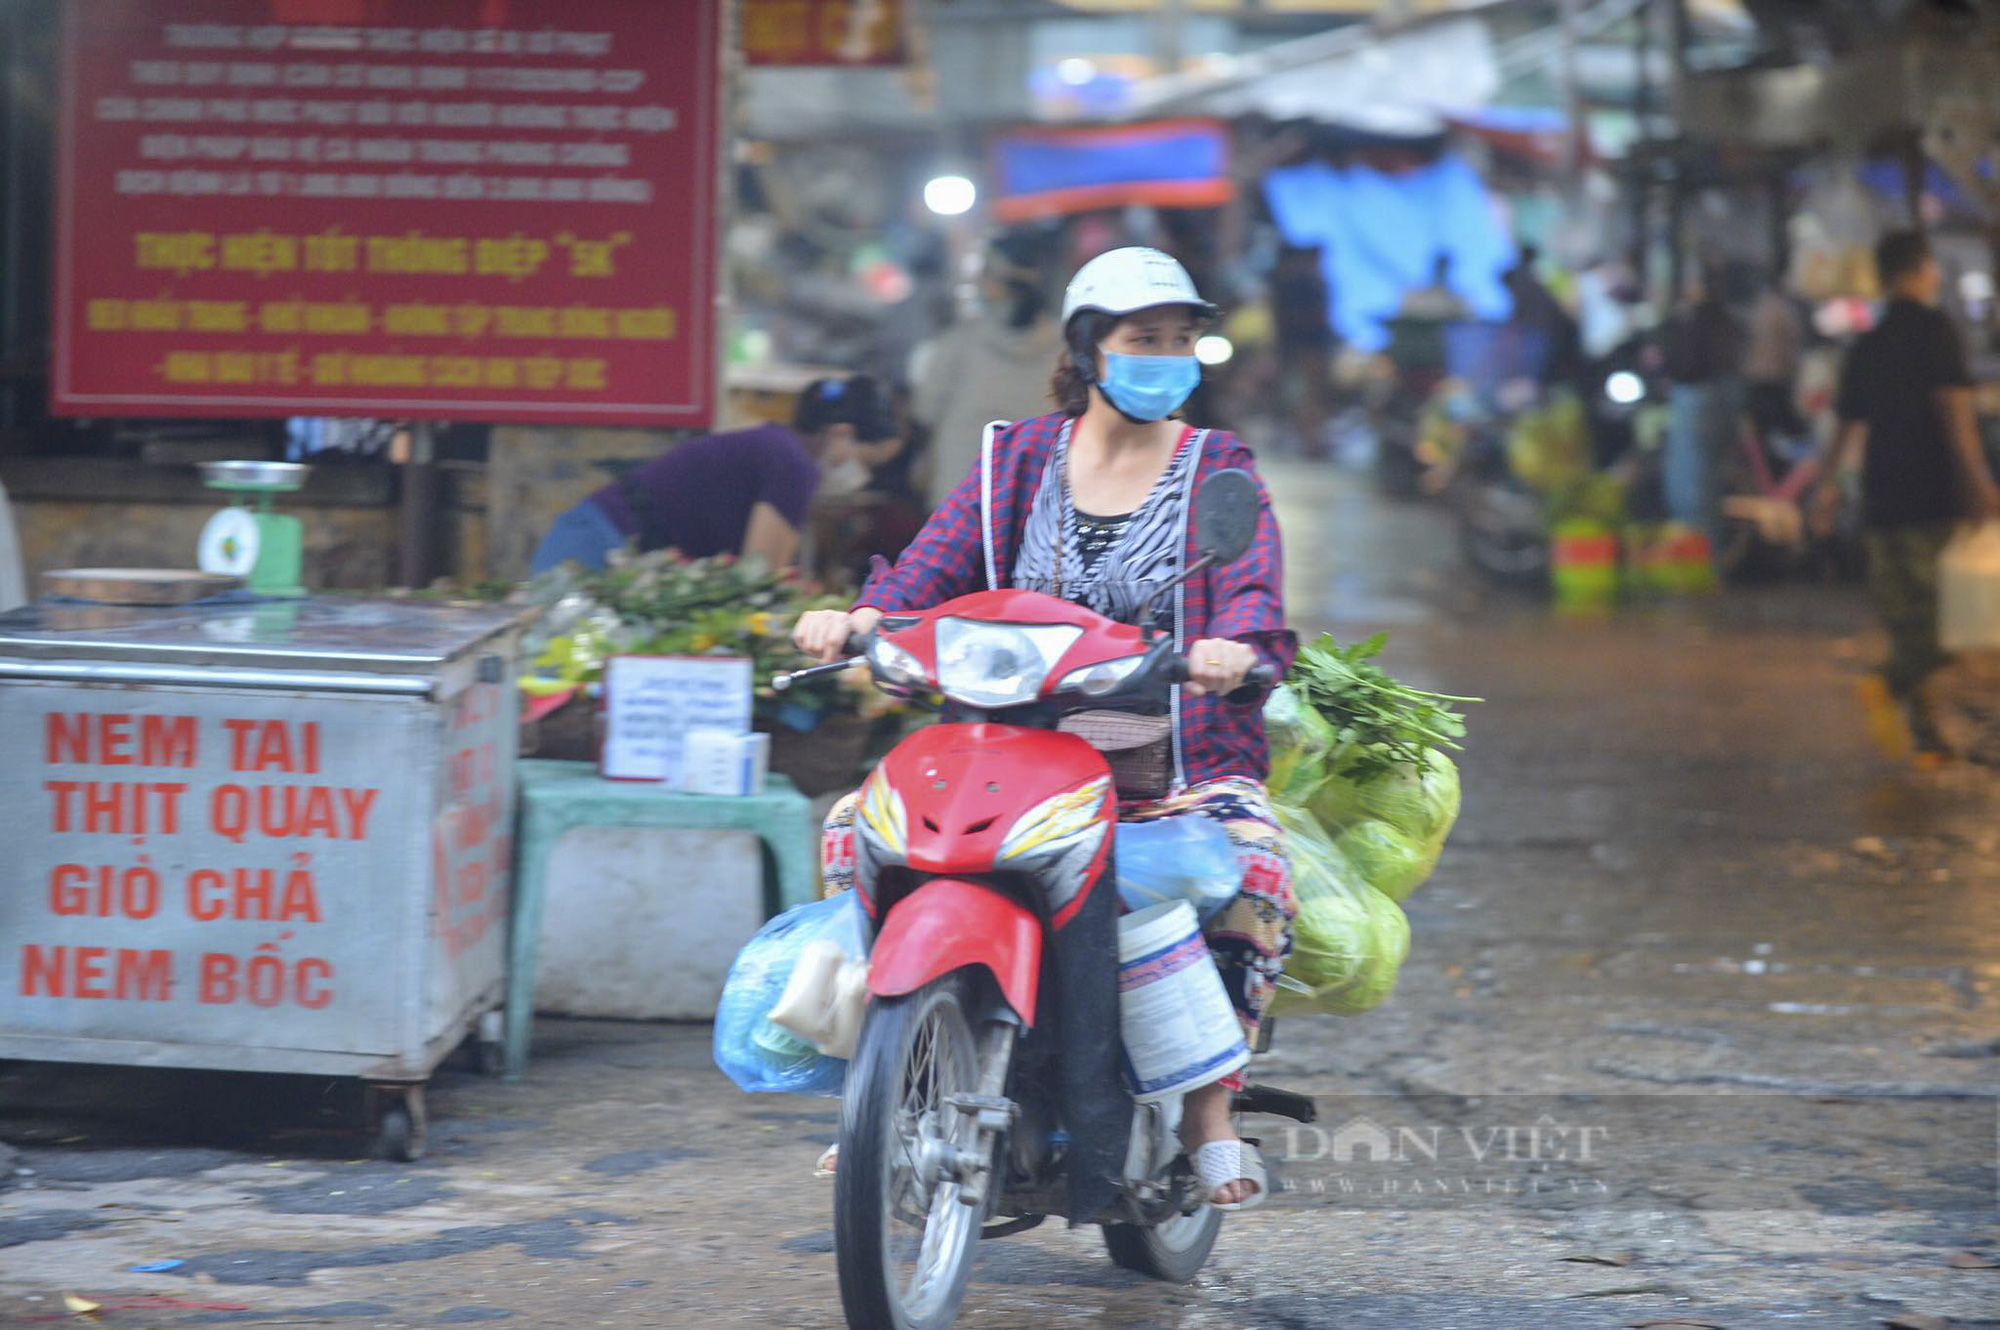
<point x="1225" y="515"/>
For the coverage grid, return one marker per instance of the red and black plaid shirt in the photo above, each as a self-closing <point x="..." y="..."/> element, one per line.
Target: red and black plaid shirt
<point x="1244" y="601"/>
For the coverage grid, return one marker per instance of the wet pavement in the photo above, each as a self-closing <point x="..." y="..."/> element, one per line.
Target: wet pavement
<point x="1701" y="1026"/>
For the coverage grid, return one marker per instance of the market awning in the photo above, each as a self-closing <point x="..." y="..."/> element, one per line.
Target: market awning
<point x="1405" y="82"/>
<point x="1165" y="163"/>
<point x="1850" y="102"/>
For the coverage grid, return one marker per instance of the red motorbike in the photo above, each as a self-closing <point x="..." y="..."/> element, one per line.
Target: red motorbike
<point x="986" y="1091"/>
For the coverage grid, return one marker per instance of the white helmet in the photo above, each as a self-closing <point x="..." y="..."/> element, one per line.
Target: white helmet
<point x="1130" y="279"/>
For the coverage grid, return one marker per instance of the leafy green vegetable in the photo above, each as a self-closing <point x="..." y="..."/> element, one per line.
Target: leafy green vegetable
<point x="1379" y="724"/>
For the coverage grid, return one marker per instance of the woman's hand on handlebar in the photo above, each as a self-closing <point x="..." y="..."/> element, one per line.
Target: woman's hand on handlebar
<point x="823" y="634"/>
<point x="1218" y="665"/>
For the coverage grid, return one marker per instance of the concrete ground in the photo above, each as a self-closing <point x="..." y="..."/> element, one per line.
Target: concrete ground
<point x="1701" y="1026"/>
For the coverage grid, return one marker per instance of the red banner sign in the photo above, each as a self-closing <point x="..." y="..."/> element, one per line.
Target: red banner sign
<point x="425" y="209"/>
<point x="823" y="32"/>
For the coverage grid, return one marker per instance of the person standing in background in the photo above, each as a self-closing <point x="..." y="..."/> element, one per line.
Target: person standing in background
<point x="1704" y="358"/>
<point x="1417" y="334"/>
<point x="1771" y="366"/>
<point x="1435" y="301"/>
<point x="1557" y="352"/>
<point x="1304" y="334"/>
<point x="744" y="492"/>
<point x="1905" y="405"/>
<point x="992" y="366"/>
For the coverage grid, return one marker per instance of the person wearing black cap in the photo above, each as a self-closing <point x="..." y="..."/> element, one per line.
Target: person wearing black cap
<point x="744" y="492"/>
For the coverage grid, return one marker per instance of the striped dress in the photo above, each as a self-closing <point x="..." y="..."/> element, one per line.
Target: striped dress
<point x="1108" y="563"/>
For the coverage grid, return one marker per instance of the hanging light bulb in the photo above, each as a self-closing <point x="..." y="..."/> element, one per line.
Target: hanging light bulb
<point x="950" y="195"/>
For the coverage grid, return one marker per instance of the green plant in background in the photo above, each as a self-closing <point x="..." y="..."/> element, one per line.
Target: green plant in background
<point x="661" y="604"/>
<point x="1599" y="497"/>
<point x="1549" y="447"/>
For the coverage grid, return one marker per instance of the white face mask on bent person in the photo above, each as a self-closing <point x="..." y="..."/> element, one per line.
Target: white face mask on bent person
<point x="848" y="476"/>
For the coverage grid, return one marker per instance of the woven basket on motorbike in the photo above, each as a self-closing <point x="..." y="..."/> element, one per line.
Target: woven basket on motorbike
<point x="1139" y="749"/>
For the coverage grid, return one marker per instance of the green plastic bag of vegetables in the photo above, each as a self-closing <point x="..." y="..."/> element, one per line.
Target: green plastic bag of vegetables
<point x="1300" y="739"/>
<point x="1419" y="803"/>
<point x="1392" y="822"/>
<point x="1348" y="940"/>
<point x="1387" y="860"/>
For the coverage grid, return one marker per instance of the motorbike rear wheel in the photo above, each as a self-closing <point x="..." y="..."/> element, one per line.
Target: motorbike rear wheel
<point x="1173" y="1252"/>
<point x="903" y="1240"/>
<point x="1503" y="532"/>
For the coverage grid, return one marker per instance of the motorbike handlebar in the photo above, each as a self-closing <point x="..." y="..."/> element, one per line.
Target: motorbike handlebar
<point x="857" y="652"/>
<point x="1261" y="679"/>
<point x="1256" y="683"/>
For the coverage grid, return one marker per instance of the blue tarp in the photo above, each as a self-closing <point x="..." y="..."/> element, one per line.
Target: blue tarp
<point x="1038" y="164"/>
<point x="1886" y="177"/>
<point x="1379" y="234"/>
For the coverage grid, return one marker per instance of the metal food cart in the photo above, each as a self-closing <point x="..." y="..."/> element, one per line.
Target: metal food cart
<point x="258" y="836"/>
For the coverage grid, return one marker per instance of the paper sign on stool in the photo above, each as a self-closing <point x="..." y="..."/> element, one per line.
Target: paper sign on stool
<point x="652" y="704"/>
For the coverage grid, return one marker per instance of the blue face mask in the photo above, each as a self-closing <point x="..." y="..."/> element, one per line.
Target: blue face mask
<point x="1149" y="387"/>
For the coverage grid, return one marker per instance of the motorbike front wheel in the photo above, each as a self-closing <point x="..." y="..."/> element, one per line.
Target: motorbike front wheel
<point x="1174" y="1251"/>
<point x="1504" y="533"/>
<point x="903" y="1240"/>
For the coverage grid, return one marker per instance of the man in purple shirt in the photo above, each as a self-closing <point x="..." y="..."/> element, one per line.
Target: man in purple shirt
<point x="744" y="492"/>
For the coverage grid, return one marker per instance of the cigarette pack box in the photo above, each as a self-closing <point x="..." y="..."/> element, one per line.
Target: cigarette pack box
<point x="719" y="762"/>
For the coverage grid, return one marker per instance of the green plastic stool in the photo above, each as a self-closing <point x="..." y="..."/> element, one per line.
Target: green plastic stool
<point x="557" y="797"/>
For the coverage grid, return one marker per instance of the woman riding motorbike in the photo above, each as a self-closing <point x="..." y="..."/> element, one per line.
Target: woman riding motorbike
<point x="1091" y="504"/>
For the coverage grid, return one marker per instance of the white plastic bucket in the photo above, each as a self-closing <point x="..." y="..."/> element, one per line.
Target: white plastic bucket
<point x="1969" y="591"/>
<point x="1180" y="1031"/>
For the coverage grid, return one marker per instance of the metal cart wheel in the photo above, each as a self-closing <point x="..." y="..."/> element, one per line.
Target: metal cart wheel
<point x="491" y="1057"/>
<point x="396" y="1116"/>
<point x="489" y="1044"/>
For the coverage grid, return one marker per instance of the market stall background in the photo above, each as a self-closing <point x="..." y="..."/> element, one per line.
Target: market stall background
<point x="257" y="835"/>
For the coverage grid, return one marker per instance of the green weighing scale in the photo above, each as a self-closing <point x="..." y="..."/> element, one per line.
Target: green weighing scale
<point x="263" y="548"/>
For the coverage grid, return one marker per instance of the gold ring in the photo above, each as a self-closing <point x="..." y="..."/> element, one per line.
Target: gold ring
<point x="1211" y="661"/>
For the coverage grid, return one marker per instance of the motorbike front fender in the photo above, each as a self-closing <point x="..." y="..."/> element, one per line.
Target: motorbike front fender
<point x="948" y="923"/>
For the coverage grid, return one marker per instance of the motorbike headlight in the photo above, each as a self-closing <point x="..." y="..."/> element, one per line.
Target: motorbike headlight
<point x="897" y="665"/>
<point x="883" y="816"/>
<point x="1097" y="680"/>
<point x="1066" y="817"/>
<point x="996" y="664"/>
<point x="1625" y="388"/>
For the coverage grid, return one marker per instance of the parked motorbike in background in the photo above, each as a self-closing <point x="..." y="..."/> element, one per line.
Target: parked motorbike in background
<point x="1503" y="520"/>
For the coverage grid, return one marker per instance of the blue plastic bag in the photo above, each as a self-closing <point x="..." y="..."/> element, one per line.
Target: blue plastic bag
<point x="1184" y="858"/>
<point x="759" y="1056"/>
